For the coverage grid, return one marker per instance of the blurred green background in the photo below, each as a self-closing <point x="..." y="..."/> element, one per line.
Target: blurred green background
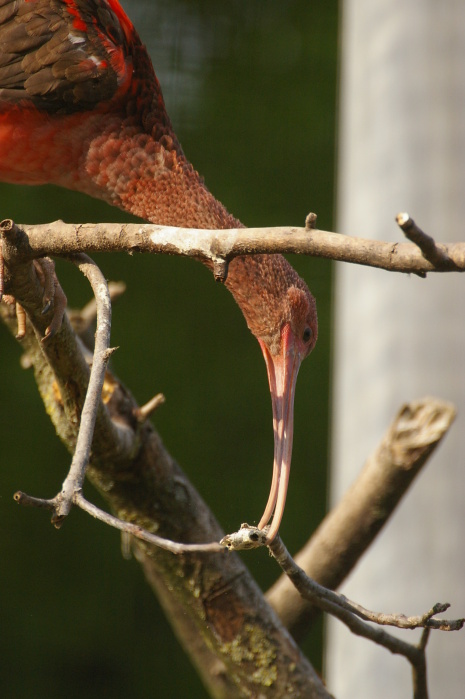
<point x="251" y="90"/>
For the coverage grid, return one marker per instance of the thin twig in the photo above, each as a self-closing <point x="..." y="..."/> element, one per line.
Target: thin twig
<point x="312" y="590"/>
<point x="352" y="525"/>
<point x="112" y="521"/>
<point x="31" y="501"/>
<point x="400" y="621"/>
<point x="140" y="533"/>
<point x="144" y="411"/>
<point x="349" y="614"/>
<point x="75" y="478"/>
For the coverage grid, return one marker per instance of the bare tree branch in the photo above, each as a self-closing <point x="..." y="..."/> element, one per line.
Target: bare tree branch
<point x="348" y="613"/>
<point x="215" y="247"/>
<point x="128" y="450"/>
<point x="126" y="527"/>
<point x="327" y="599"/>
<point x="74" y="480"/>
<point x="348" y="530"/>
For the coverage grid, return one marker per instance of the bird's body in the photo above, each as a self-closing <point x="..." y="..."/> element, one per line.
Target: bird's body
<point x="81" y="107"/>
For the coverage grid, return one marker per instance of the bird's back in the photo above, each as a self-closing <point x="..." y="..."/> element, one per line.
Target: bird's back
<point x="63" y="56"/>
<point x="77" y="92"/>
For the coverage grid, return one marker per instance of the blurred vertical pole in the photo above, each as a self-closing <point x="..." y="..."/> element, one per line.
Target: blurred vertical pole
<point x="402" y="148"/>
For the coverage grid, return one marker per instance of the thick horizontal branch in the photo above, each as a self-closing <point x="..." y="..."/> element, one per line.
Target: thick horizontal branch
<point x="213" y="246"/>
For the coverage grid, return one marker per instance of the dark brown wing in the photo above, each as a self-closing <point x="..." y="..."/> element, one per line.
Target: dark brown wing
<point x="64" y="55"/>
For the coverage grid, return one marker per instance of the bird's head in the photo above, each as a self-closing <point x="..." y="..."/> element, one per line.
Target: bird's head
<point x="281" y="313"/>
<point x="293" y="338"/>
<point x="299" y="324"/>
<point x="283" y="353"/>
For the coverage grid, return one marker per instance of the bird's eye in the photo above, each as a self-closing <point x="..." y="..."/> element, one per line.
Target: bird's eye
<point x="307" y="334"/>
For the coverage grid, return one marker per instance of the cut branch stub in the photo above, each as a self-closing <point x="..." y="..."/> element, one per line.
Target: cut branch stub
<point x="431" y="251"/>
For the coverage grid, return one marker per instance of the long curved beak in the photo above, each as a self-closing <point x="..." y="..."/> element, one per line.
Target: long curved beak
<point x="282" y="375"/>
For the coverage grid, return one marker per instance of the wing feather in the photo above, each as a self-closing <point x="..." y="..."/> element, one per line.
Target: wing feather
<point x="63" y="55"/>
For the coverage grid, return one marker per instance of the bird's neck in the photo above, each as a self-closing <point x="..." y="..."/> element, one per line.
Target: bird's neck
<point x="148" y="175"/>
<point x="128" y="155"/>
<point x="143" y="171"/>
<point x="138" y="165"/>
<point x="134" y="162"/>
<point x="141" y="168"/>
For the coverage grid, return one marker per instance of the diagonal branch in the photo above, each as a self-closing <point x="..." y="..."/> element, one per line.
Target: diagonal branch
<point x="211" y="599"/>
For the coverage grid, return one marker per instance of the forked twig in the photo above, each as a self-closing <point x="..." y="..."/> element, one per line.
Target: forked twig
<point x="128" y="527"/>
<point x="354" y="616"/>
<point x="61" y="504"/>
<point x="75" y="478"/>
<point x="352" y="524"/>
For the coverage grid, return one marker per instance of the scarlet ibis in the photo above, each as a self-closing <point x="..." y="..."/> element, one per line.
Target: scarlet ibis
<point x="81" y="107"/>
